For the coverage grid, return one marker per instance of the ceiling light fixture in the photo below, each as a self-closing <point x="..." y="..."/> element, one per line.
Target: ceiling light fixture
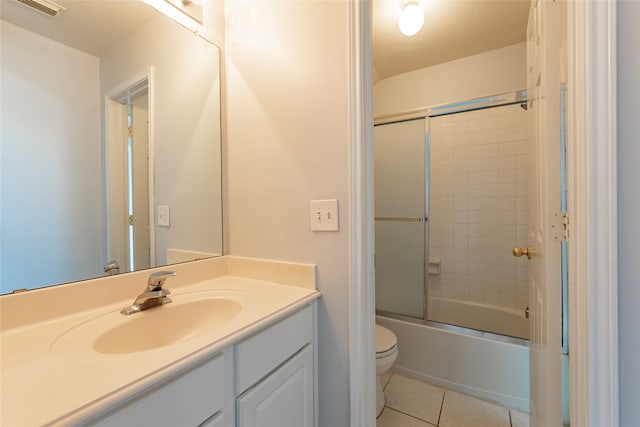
<point x="411" y="17"/>
<point x="180" y="11"/>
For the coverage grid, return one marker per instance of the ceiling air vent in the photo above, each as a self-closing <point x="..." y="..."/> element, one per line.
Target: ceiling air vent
<point x="44" y="6"/>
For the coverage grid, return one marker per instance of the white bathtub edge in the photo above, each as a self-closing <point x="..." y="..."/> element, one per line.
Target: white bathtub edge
<point x="477" y="366"/>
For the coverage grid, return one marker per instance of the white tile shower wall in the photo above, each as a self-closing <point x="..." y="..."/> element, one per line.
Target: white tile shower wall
<point x="478" y="205"/>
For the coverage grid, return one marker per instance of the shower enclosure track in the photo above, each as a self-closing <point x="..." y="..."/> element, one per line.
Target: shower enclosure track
<point x="517" y="97"/>
<point x="454" y="328"/>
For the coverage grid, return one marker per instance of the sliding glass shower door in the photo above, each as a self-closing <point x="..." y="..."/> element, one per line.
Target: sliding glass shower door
<point x="451" y="200"/>
<point x="400" y="173"/>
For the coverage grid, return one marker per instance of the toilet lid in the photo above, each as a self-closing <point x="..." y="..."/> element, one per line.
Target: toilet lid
<point x="385" y="339"/>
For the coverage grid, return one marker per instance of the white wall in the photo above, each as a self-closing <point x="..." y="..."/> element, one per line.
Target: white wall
<point x="628" y="209"/>
<point x="52" y="215"/>
<point x="490" y="73"/>
<point x="287" y="143"/>
<point x="186" y="125"/>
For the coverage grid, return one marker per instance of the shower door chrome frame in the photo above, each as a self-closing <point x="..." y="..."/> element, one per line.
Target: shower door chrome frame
<point x="426" y="113"/>
<point x="517" y="97"/>
<point x="427" y="195"/>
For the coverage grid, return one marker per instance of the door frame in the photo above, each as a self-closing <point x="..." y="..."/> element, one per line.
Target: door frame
<point x="592" y="201"/>
<point x="362" y="366"/>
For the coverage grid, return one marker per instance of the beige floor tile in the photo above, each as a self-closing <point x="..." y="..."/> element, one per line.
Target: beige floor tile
<point x="415" y="398"/>
<point x="459" y="410"/>
<point x="391" y="418"/>
<point x="519" y="419"/>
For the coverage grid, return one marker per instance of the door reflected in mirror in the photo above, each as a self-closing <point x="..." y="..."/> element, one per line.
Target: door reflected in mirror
<point x="110" y="143"/>
<point x="132" y="240"/>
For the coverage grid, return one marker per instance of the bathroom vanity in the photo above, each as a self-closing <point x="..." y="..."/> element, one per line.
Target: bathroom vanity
<point x="267" y="383"/>
<point x="236" y="347"/>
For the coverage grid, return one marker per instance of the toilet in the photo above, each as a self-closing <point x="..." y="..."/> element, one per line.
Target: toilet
<point x="386" y="354"/>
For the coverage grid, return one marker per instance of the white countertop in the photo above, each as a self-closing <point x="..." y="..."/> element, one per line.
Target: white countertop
<point x="43" y="383"/>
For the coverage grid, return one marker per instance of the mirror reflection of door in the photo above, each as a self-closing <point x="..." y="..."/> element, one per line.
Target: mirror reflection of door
<point x="138" y="183"/>
<point x="130" y="177"/>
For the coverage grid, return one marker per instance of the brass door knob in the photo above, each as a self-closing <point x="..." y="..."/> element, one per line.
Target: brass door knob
<point x="519" y="252"/>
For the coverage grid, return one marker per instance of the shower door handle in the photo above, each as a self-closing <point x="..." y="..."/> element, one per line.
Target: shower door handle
<point x="401" y="218"/>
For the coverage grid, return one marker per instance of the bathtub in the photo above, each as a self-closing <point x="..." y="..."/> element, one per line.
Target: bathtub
<point x="484" y="365"/>
<point x="484" y="317"/>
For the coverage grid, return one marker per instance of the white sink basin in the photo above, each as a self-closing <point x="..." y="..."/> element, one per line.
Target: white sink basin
<point x="165" y="325"/>
<point x="188" y="316"/>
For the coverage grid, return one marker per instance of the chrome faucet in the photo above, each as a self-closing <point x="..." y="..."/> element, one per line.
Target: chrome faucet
<point x="153" y="295"/>
<point x="111" y="268"/>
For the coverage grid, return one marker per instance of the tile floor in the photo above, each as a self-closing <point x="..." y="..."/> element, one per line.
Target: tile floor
<point x="413" y="403"/>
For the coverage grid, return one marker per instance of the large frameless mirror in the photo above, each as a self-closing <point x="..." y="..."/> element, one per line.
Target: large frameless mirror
<point x="110" y="133"/>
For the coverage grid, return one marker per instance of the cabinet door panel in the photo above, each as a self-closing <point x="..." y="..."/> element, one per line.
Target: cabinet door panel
<point x="284" y="398"/>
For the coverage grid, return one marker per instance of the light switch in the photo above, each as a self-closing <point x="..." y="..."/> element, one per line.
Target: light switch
<point x="324" y="215"/>
<point x="164" y="216"/>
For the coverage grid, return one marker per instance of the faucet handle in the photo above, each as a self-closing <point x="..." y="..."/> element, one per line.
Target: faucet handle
<point x="156" y="280"/>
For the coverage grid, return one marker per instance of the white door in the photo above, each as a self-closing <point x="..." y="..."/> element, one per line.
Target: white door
<point x="140" y="181"/>
<point x="129" y="178"/>
<point x="544" y="70"/>
<point x="117" y="182"/>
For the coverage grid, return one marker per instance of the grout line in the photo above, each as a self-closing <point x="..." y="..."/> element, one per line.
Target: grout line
<point x="384" y="387"/>
<point x="409" y="415"/>
<point x="444" y="392"/>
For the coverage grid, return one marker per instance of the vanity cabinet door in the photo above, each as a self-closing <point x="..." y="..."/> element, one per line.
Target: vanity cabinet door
<point x="282" y="399"/>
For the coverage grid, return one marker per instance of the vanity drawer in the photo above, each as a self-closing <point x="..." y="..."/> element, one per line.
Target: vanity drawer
<point x="185" y="400"/>
<point x="262" y="353"/>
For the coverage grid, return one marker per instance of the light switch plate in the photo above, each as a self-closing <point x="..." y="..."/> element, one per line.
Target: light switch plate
<point x="324" y="215"/>
<point x="164" y="216"/>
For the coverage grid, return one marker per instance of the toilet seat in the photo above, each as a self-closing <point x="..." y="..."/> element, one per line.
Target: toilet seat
<point x="386" y="341"/>
<point x="393" y="350"/>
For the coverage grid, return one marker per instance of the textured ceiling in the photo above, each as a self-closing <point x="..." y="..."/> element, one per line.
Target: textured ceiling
<point x="87" y="25"/>
<point x="452" y="29"/>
